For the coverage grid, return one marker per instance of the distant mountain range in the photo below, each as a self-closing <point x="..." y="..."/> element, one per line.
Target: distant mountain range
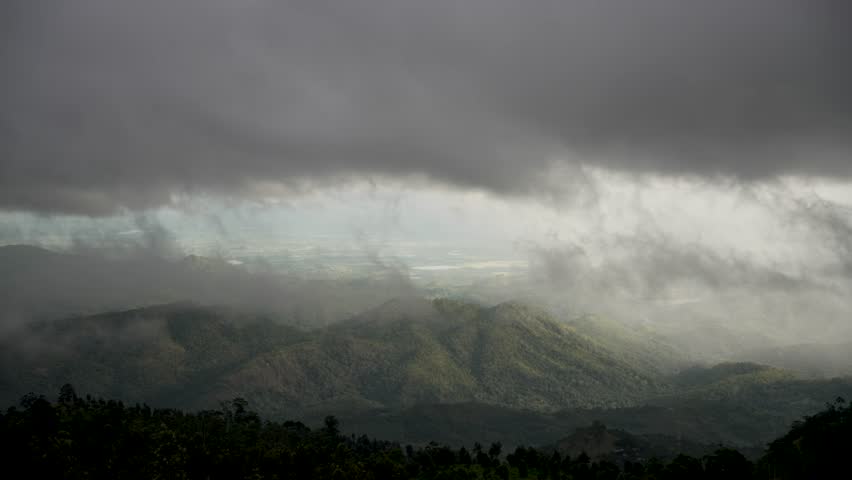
<point x="414" y="370"/>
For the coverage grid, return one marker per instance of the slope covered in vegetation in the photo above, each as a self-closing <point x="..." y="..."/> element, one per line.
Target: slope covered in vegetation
<point x="398" y="355"/>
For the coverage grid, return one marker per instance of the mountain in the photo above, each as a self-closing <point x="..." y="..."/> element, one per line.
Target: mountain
<point x="413" y="370"/>
<point x="602" y="443"/>
<point x="746" y="402"/>
<point x="163" y="355"/>
<point x="403" y="353"/>
<point x="414" y="351"/>
<point x="811" y="359"/>
<point x="749" y="417"/>
<point x="636" y="345"/>
<point x="738" y="404"/>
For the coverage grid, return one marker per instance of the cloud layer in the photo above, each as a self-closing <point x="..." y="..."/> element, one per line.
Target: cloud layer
<point x="109" y="104"/>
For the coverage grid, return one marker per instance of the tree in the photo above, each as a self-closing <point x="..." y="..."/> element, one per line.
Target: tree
<point x="67" y="395"/>
<point x="332" y="425"/>
<point x="464" y="456"/>
<point x="494" y="451"/>
<point x="684" y="466"/>
<point x="727" y="463"/>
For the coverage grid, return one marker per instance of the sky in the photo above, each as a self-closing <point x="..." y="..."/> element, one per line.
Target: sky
<point x="664" y="152"/>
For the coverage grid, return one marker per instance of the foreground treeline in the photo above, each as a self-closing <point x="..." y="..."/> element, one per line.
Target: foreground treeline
<point x="93" y="438"/>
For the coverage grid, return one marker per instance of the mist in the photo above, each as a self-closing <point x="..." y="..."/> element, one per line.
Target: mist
<point x="42" y="285"/>
<point x="726" y="270"/>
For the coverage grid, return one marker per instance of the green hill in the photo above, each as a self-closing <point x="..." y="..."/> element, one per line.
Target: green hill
<point x="633" y="344"/>
<point x="409" y="352"/>
<point x="164" y="355"/>
<point x="403" y="353"/>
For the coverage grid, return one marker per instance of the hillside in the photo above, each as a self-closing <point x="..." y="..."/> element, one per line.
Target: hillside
<point x="747" y="418"/>
<point x="402" y="353"/>
<point x="414" y="370"/>
<point x="637" y="345"/>
<point x="415" y="351"/>
<point x="738" y="404"/>
<point x="163" y="355"/>
<point x="815" y="360"/>
<point x="602" y="443"/>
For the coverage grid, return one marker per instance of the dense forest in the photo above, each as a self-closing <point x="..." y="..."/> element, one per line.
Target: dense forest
<point x="78" y="437"/>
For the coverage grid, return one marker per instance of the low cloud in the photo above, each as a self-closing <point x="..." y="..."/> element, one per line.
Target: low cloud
<point x="716" y="303"/>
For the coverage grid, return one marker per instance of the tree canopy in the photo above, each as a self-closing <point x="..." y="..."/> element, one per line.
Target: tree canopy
<point x="77" y="437"/>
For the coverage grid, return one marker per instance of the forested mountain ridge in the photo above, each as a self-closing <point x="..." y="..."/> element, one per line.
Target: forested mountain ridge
<point x="397" y="355"/>
<point x="407" y="366"/>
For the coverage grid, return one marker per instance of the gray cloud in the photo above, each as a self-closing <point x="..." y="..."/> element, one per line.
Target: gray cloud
<point x="109" y="104"/>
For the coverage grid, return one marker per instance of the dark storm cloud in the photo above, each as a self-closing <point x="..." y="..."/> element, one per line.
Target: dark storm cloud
<point x="111" y="103"/>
